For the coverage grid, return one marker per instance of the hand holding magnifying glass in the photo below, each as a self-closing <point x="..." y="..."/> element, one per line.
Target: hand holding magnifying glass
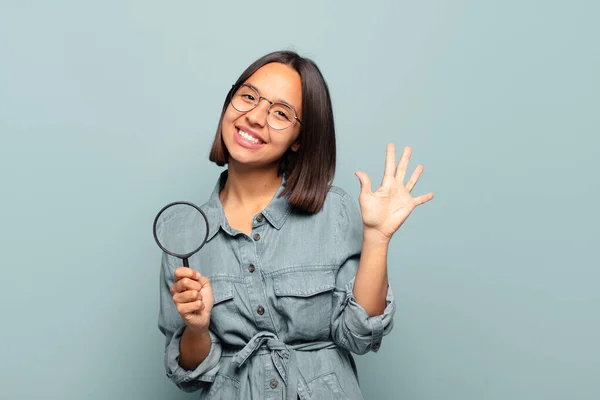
<point x="181" y="230"/>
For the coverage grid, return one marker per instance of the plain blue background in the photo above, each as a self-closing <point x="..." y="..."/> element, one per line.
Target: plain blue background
<point x="107" y="112"/>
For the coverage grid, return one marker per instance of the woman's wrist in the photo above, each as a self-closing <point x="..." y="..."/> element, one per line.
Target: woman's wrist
<point x="198" y="332"/>
<point x="375" y="238"/>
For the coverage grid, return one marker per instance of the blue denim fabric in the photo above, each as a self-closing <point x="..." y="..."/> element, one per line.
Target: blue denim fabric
<point x="287" y="329"/>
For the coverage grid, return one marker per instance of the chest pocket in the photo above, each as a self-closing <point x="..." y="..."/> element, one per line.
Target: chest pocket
<point x="304" y="301"/>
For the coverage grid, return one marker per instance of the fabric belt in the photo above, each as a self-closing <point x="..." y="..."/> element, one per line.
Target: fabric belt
<point x="284" y="359"/>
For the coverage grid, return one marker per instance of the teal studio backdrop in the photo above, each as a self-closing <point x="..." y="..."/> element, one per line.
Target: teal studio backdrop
<point x="107" y="112"/>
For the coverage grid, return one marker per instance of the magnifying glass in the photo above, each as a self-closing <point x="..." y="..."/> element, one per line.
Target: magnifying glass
<point x="181" y="229"/>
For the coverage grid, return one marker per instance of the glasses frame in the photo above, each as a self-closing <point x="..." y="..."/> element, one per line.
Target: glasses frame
<point x="234" y="89"/>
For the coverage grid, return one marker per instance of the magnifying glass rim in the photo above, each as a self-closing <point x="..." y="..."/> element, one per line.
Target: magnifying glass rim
<point x="182" y="256"/>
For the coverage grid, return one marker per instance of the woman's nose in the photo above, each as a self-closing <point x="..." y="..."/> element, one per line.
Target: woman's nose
<point x="258" y="115"/>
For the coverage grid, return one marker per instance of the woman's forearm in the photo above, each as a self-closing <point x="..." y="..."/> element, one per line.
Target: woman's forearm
<point x="371" y="283"/>
<point x="193" y="348"/>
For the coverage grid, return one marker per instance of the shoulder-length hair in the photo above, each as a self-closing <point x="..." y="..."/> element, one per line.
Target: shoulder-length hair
<point x="309" y="171"/>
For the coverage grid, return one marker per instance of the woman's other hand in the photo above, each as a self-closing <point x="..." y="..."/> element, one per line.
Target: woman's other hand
<point x="386" y="209"/>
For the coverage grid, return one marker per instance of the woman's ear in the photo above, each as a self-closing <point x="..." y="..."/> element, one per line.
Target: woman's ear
<point x="295" y="147"/>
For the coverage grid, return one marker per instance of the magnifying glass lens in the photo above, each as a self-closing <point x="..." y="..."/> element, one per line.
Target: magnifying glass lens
<point x="181" y="230"/>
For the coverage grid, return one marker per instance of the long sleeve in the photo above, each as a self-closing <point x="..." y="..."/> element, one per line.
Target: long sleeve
<point x="352" y="328"/>
<point x="172" y="326"/>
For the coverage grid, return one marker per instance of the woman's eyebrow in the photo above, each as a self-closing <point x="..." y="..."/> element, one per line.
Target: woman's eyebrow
<point x="251" y="86"/>
<point x="275" y="101"/>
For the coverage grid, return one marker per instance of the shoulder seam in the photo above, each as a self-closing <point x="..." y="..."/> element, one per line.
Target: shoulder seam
<point x="338" y="191"/>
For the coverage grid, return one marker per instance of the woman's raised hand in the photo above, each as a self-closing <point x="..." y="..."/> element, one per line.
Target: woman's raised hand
<point x="386" y="209"/>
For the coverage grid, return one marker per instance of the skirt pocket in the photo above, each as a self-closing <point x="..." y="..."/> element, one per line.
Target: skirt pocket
<point x="327" y="387"/>
<point x="224" y="388"/>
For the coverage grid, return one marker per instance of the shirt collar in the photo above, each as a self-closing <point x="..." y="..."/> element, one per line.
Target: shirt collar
<point x="276" y="211"/>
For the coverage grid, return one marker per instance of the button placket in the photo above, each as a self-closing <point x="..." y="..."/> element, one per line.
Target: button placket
<point x="273" y="390"/>
<point x="255" y="289"/>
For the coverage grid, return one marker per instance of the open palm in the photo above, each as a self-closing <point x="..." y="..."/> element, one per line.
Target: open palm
<point x="386" y="209"/>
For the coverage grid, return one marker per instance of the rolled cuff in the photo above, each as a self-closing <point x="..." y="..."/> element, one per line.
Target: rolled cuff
<point x="364" y="333"/>
<point x="202" y="375"/>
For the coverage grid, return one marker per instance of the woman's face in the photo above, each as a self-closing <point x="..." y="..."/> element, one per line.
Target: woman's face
<point x="247" y="135"/>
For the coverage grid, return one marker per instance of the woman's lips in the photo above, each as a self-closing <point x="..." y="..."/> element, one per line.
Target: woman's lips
<point x="247" y="139"/>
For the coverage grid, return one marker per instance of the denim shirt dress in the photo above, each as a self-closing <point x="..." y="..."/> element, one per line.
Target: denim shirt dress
<point x="285" y="320"/>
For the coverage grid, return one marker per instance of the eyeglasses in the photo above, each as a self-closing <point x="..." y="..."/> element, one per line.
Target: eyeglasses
<point x="279" y="115"/>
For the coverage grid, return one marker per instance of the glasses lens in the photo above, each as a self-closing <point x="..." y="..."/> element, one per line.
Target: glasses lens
<point x="244" y="99"/>
<point x="280" y="116"/>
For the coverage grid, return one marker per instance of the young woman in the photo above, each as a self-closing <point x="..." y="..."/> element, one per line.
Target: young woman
<point x="293" y="277"/>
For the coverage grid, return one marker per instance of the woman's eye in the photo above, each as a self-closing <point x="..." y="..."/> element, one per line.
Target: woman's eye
<point x="282" y="115"/>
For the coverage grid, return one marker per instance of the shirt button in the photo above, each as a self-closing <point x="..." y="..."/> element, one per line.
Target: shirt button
<point x="273" y="384"/>
<point x="259" y="218"/>
<point x="260" y="310"/>
<point x="256" y="237"/>
<point x="251" y="268"/>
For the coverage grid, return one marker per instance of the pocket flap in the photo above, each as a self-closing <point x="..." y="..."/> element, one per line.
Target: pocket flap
<point x="304" y="283"/>
<point x="222" y="289"/>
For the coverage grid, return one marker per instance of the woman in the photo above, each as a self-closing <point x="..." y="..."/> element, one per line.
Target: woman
<point x="293" y="277"/>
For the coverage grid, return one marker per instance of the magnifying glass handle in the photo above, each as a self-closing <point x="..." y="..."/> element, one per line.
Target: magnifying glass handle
<point x="185" y="263"/>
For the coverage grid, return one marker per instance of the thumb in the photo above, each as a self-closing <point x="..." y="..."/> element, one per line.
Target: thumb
<point x="206" y="290"/>
<point x="365" y="182"/>
<point x="205" y="283"/>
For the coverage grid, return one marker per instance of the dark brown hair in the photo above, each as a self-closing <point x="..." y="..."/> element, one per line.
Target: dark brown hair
<point x="310" y="170"/>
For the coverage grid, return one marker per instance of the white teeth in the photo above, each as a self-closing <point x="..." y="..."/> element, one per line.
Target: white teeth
<point x="249" y="137"/>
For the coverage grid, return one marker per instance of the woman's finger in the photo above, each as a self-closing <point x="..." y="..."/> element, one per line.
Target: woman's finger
<point x="187" y="297"/>
<point x="185" y="272"/>
<point x="423" y="198"/>
<point x="365" y="182"/>
<point x="189" y="308"/>
<point x="414" y="177"/>
<point x="204" y="282"/>
<point x="390" y="161"/>
<point x="185" y="284"/>
<point x="403" y="164"/>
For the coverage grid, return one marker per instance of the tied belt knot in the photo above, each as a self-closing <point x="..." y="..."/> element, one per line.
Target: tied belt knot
<point x="284" y="359"/>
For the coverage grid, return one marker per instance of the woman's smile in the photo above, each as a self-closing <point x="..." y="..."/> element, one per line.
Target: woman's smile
<point x="248" y="138"/>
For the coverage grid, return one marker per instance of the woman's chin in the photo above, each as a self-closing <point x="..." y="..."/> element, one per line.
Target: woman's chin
<point x="246" y="163"/>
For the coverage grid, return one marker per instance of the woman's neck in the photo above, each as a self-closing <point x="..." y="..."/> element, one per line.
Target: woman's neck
<point x="249" y="188"/>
